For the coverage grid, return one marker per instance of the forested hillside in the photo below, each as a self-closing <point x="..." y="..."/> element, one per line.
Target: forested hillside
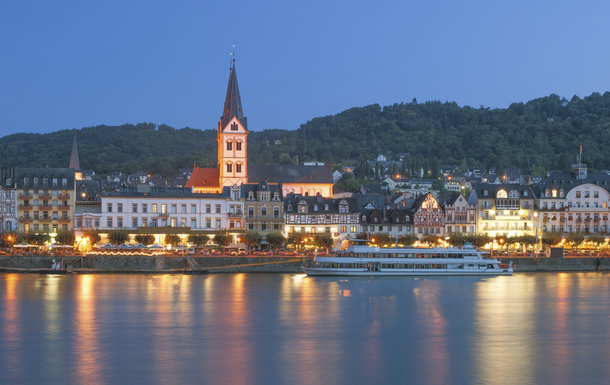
<point x="537" y="136"/>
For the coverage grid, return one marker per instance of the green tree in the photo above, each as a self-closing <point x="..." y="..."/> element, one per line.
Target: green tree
<point x="118" y="237"/>
<point x="431" y="240"/>
<point x="479" y="240"/>
<point x="223" y="240"/>
<point x="552" y="238"/>
<point x="171" y="239"/>
<point x="597" y="239"/>
<point x="198" y="240"/>
<point x="9" y="238"/>
<point x="296" y="239"/>
<point x="574" y="239"/>
<point x="251" y="239"/>
<point x="456" y="239"/>
<point x="65" y="237"/>
<point x="275" y="239"/>
<point x="92" y="235"/>
<point x="408" y="239"/>
<point x="145" y="239"/>
<point x="323" y="240"/>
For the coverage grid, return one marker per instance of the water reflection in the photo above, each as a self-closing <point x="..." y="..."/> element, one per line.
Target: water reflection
<point x="88" y="362"/>
<point x="11" y="332"/>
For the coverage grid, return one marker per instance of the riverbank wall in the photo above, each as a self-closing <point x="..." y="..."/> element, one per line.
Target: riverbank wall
<point x="268" y="264"/>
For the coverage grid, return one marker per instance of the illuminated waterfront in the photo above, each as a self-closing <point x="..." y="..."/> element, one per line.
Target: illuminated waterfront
<point x="267" y="329"/>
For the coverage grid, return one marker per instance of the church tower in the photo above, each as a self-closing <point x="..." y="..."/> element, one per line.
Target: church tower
<point x="233" y="137"/>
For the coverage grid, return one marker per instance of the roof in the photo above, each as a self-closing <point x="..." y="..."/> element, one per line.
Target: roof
<point x="74" y="163"/>
<point x="91" y="188"/>
<point x="254" y="187"/>
<point x="492" y="189"/>
<point x="290" y="174"/>
<point x="333" y="204"/>
<point x="452" y="198"/>
<point x="45" y="172"/>
<point x="161" y="192"/>
<point x="204" y="177"/>
<point x="568" y="181"/>
<point x="232" y="106"/>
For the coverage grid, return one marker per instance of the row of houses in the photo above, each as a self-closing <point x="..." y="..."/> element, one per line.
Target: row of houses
<point x="52" y="199"/>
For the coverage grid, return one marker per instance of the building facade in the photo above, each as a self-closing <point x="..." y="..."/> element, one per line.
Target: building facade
<point x="45" y="199"/>
<point x="264" y="207"/>
<point x="428" y="216"/>
<point x="460" y="216"/>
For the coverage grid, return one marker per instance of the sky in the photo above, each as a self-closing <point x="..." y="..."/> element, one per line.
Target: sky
<point x="74" y="64"/>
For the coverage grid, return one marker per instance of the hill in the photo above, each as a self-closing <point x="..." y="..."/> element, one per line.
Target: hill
<point x="540" y="135"/>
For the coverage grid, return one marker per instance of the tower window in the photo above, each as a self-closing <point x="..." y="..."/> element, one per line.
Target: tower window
<point x="229" y="146"/>
<point x="238" y="167"/>
<point x="238" y="146"/>
<point x="233" y="126"/>
<point x="229" y="167"/>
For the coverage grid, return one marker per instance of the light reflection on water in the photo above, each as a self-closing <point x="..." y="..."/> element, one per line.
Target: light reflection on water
<point x="264" y="328"/>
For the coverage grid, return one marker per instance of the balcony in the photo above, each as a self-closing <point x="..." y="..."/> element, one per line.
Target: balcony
<point x="44" y="220"/>
<point x="237" y="214"/>
<point x="25" y="220"/>
<point x="45" y="208"/>
<point x="63" y="207"/>
<point x="26" y="196"/>
<point x="64" y="220"/>
<point x="45" y="197"/>
<point x="63" y="197"/>
<point x="26" y="207"/>
<point x="164" y="215"/>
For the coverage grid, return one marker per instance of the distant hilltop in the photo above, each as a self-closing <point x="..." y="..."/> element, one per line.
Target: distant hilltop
<point x="540" y="135"/>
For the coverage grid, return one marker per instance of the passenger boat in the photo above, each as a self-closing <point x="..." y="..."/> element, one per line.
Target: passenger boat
<point x="370" y="260"/>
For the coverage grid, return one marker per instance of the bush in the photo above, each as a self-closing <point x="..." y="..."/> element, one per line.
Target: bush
<point x="65" y="237"/>
<point x="145" y="239"/>
<point x="118" y="237"/>
<point x="92" y="234"/>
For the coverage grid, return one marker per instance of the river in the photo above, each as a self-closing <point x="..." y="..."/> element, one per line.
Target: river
<point x="537" y="328"/>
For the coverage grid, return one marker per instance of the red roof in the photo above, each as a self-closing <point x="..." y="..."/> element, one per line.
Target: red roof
<point x="204" y="177"/>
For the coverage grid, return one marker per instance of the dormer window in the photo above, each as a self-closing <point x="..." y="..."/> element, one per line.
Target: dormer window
<point x="250" y="196"/>
<point x="36" y="181"/>
<point x="233" y="126"/>
<point x="364" y="218"/>
<point x="325" y="207"/>
<point x="485" y="193"/>
<point x="289" y="207"/>
<point x="554" y="193"/>
<point x="561" y="193"/>
<point x="276" y="197"/>
<point x="524" y="193"/>
<point x="26" y="181"/>
<point x="315" y="207"/>
<point x="547" y="193"/>
<point x="45" y="181"/>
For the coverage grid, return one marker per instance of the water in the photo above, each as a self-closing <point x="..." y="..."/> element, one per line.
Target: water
<point x="542" y="328"/>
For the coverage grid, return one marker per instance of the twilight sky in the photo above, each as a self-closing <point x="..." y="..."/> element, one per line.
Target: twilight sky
<point x="72" y="64"/>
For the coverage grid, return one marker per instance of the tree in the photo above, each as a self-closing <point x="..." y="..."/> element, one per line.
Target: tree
<point x="479" y="240"/>
<point x="223" y="240"/>
<point x="118" y="237"/>
<point x="172" y="239"/>
<point x="551" y="238"/>
<point x="407" y="239"/>
<point x="251" y="239"/>
<point x="597" y="239"/>
<point x="456" y="239"/>
<point x="527" y="240"/>
<point x="574" y="239"/>
<point x="9" y="238"/>
<point x="65" y="237"/>
<point x="430" y="239"/>
<point x="39" y="238"/>
<point x="92" y="235"/>
<point x="275" y="239"/>
<point x="296" y="239"/>
<point x="323" y="240"/>
<point x="145" y="239"/>
<point x="381" y="239"/>
<point x="198" y="240"/>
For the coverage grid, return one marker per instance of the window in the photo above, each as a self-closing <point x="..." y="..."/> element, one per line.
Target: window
<point x="595" y="194"/>
<point x="153" y="222"/>
<point x="276" y="226"/>
<point x="36" y="180"/>
<point x="183" y="209"/>
<point x="577" y="194"/>
<point x="343" y="229"/>
<point x="119" y="222"/>
<point x="109" y="222"/>
<point x="172" y="222"/>
<point x="238" y="167"/>
<point x="154" y="208"/>
<point x="217" y="209"/>
<point x="586" y="194"/>
<point x="97" y="223"/>
<point x="134" y="222"/>
<point x="79" y="222"/>
<point x="229" y="145"/>
<point x="208" y="209"/>
<point x="554" y="193"/>
<point x="217" y="223"/>
<point x="315" y="207"/>
<point x="263" y="211"/>
<point x="193" y="209"/>
<point x="144" y="208"/>
<point x="208" y="223"/>
<point x="54" y="181"/>
<point x="54" y="215"/>
<point x="88" y="222"/>
<point x="134" y="208"/>
<point x="163" y="208"/>
<point x="229" y="167"/>
<point x="276" y="212"/>
<point x="264" y="197"/>
<point x="263" y="226"/>
<point x="64" y="181"/>
<point x="250" y="226"/>
<point x="45" y="181"/>
<point x="119" y="208"/>
<point x="352" y="229"/>
<point x="174" y="209"/>
<point x="193" y="223"/>
<point x="144" y="222"/>
<point x="238" y="146"/>
<point x="109" y="208"/>
<point x="233" y="126"/>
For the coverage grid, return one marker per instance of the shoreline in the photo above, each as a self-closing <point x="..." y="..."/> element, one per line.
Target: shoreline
<point x="232" y="265"/>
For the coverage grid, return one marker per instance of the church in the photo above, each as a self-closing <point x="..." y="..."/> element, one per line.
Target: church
<point x="233" y="168"/>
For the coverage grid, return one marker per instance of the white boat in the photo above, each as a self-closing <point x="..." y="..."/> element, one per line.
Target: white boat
<point x="369" y="260"/>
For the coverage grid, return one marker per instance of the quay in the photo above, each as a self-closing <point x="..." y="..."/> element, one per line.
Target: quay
<point x="161" y="264"/>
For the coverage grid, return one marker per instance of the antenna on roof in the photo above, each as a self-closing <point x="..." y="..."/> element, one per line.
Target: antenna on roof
<point x="230" y="54"/>
<point x="233" y="53"/>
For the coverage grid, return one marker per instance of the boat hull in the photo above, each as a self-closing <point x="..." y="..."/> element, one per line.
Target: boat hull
<point x="313" y="271"/>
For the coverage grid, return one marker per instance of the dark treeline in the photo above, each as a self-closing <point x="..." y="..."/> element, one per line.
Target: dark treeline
<point x="538" y="136"/>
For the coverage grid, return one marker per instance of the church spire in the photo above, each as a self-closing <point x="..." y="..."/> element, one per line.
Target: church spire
<point x="232" y="105"/>
<point x="74" y="163"/>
